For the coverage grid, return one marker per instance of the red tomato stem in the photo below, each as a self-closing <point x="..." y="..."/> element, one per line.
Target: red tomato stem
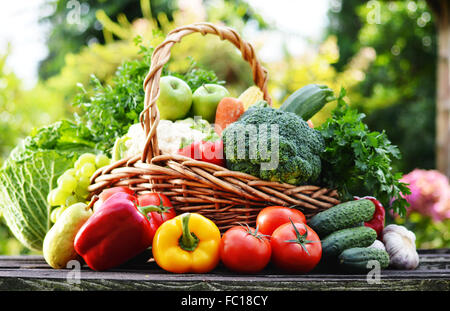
<point x="255" y="233"/>
<point x="301" y="238"/>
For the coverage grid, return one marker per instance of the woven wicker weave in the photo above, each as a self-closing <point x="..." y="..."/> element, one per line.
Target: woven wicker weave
<point x="226" y="197"/>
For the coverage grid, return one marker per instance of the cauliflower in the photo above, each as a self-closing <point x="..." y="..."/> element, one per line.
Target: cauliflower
<point x="171" y="137"/>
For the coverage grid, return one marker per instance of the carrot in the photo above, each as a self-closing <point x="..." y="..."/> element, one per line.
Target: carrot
<point x="228" y="111"/>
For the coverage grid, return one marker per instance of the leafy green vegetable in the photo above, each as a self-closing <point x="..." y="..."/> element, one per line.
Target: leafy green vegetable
<point x="107" y="111"/>
<point x="31" y="171"/>
<point x="357" y="161"/>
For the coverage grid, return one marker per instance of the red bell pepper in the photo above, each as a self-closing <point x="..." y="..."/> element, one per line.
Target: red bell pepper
<point x="378" y="219"/>
<point x="116" y="232"/>
<point x="105" y="194"/>
<point x="207" y="151"/>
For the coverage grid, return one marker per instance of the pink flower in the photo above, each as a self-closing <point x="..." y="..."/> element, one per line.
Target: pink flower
<point x="430" y="193"/>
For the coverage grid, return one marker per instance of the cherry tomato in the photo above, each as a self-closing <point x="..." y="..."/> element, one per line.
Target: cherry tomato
<point x="244" y="249"/>
<point x="271" y="217"/>
<point x="162" y="209"/>
<point x="296" y="248"/>
<point x="105" y="194"/>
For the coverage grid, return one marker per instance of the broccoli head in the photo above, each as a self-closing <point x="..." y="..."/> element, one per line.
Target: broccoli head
<point x="273" y="145"/>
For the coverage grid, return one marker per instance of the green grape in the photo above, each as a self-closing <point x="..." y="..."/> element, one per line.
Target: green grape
<point x="58" y="197"/>
<point x="71" y="172"/>
<point x="87" y="170"/>
<point x="81" y="192"/>
<point x="71" y="199"/>
<point x="67" y="182"/>
<point x="54" y="214"/>
<point x="83" y="159"/>
<point x="84" y="182"/>
<point x="101" y="160"/>
<point x="80" y="199"/>
<point x="78" y="174"/>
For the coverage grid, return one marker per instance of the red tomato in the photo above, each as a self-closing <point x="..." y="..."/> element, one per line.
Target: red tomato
<point x="105" y="194"/>
<point x="271" y="217"/>
<point x="243" y="249"/>
<point x="158" y="207"/>
<point x="206" y="151"/>
<point x="296" y="248"/>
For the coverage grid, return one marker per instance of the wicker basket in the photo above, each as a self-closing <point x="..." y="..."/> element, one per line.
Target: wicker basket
<point x="224" y="196"/>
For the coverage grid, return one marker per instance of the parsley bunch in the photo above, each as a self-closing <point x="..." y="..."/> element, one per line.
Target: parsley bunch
<point x="357" y="161"/>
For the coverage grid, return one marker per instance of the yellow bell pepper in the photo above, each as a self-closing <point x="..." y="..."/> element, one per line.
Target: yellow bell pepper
<point x="187" y="243"/>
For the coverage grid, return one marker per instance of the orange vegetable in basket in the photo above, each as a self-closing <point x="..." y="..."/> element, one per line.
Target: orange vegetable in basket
<point x="228" y="111"/>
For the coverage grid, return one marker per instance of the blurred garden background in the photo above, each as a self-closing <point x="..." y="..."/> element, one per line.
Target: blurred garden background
<point x="53" y="52"/>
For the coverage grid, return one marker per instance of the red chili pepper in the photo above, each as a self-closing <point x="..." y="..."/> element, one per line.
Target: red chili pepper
<point x="163" y="209"/>
<point x="116" y="232"/>
<point x="377" y="221"/>
<point x="206" y="151"/>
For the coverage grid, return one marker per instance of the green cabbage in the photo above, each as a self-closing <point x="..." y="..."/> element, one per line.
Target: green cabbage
<point x="31" y="171"/>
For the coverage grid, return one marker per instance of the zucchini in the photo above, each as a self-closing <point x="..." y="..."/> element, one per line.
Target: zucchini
<point x="340" y="240"/>
<point x="342" y="216"/>
<point x="308" y="100"/>
<point x="358" y="259"/>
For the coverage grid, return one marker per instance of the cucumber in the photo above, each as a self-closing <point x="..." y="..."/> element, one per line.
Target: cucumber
<point x="358" y="259"/>
<point x="342" y="216"/>
<point x="340" y="240"/>
<point x="308" y="100"/>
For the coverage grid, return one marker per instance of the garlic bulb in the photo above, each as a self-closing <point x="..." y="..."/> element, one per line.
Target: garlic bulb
<point x="378" y="244"/>
<point x="401" y="247"/>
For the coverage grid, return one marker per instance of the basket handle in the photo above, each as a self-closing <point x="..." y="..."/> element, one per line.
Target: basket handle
<point x="149" y="117"/>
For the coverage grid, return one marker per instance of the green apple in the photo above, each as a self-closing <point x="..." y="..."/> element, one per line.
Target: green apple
<point x="205" y="100"/>
<point x="175" y="98"/>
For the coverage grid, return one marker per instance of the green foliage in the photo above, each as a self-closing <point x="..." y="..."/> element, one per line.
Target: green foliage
<point x="8" y="244"/>
<point x="21" y="110"/>
<point x="233" y="12"/>
<point x="249" y="144"/>
<point x="10" y="89"/>
<point x="358" y="161"/>
<point x="398" y="90"/>
<point x="69" y="35"/>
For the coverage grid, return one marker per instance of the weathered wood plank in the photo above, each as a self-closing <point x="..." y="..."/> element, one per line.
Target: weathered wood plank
<point x="32" y="273"/>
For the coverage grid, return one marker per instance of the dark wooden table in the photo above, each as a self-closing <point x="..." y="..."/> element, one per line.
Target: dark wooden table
<point x="32" y="273"/>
